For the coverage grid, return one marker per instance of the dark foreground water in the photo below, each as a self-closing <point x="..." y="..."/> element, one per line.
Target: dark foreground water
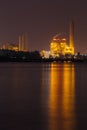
<point x="38" y="96"/>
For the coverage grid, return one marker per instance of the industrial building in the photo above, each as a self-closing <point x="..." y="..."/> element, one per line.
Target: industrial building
<point x="22" y="44"/>
<point x="60" y="46"/>
<point x="10" y="46"/>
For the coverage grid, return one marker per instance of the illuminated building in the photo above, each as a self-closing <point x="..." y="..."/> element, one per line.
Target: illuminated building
<point x="59" y="45"/>
<point x="22" y="44"/>
<point x="45" y="54"/>
<point x="9" y="46"/>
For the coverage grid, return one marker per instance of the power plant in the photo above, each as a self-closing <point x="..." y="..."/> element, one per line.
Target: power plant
<point x="22" y="44"/>
<point x="60" y="46"/>
<point x="60" y="49"/>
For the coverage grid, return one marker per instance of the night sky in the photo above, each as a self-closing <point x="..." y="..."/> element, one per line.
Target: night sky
<point x="42" y="19"/>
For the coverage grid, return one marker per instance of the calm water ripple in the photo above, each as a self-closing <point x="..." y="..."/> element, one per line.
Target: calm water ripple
<point x="43" y="96"/>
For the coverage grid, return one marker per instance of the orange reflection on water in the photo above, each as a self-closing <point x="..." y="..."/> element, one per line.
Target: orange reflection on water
<point x="69" y="96"/>
<point x="62" y="97"/>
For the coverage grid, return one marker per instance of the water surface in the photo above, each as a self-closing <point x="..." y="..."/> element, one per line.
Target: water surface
<point x="43" y="96"/>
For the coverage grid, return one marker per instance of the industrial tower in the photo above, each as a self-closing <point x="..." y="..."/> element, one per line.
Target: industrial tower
<point x="71" y="37"/>
<point x="23" y="42"/>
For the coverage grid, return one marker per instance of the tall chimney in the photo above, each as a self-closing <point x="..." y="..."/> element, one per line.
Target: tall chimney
<point x="19" y="43"/>
<point x="26" y="42"/>
<point x="23" y="43"/>
<point x="71" y="37"/>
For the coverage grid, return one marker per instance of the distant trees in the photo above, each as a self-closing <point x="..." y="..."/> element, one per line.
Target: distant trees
<point x="9" y="55"/>
<point x="34" y="56"/>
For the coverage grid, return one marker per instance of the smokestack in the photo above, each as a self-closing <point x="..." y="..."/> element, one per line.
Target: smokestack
<point x="19" y="43"/>
<point x="23" y="43"/>
<point x="71" y="33"/>
<point x="71" y="36"/>
<point x="26" y="42"/>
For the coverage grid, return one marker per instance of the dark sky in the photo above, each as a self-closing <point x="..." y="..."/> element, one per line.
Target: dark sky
<point x="43" y="19"/>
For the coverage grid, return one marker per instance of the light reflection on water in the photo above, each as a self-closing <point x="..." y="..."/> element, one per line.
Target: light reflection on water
<point x="43" y="96"/>
<point x="62" y="97"/>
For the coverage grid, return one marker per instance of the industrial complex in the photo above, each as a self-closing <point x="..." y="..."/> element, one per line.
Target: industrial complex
<point x="22" y="44"/>
<point x="60" y="49"/>
<point x="59" y="45"/>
